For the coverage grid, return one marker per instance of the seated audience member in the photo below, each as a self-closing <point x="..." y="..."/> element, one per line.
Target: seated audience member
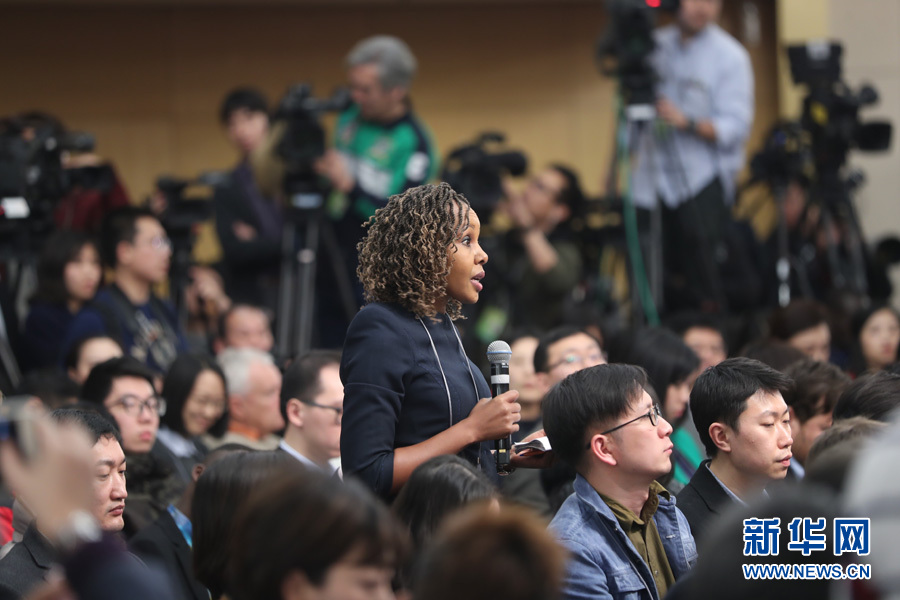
<point x="136" y="247"/>
<point x="538" y="261"/>
<point x="205" y="300"/>
<point x="484" y="554"/>
<point x="703" y="334"/>
<point x="834" y="452"/>
<point x="778" y="355"/>
<point x="312" y="401"/>
<point x="720" y="573"/>
<point x="803" y="324"/>
<point x="672" y="368"/>
<point x="872" y="491"/>
<point x="558" y="353"/>
<point x="523" y="378"/>
<point x="876" y="337"/>
<point x="624" y="534"/>
<point x="745" y="426"/>
<point x="303" y="535"/>
<point x="220" y="492"/>
<point x="436" y="489"/>
<point x="87" y="353"/>
<point x="811" y="399"/>
<point x="78" y="431"/>
<point x="244" y="326"/>
<point x="68" y="275"/>
<point x="168" y="540"/>
<point x="248" y="223"/>
<point x="123" y="388"/>
<point x="254" y="387"/>
<point x="194" y="389"/>
<point x="873" y="396"/>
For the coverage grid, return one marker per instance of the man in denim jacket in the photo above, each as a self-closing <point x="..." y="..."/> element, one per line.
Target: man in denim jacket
<point x="625" y="536"/>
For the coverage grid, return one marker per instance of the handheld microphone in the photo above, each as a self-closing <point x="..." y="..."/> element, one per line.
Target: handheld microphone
<point x="498" y="354"/>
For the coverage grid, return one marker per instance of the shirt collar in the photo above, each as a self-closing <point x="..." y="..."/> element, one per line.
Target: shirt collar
<point x="290" y="450"/>
<point x="183" y="523"/>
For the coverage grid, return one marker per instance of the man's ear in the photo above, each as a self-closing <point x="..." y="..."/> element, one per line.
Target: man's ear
<point x="721" y="436"/>
<point x="123" y="252"/>
<point x="236" y="407"/>
<point x="603" y="448"/>
<point x="296" y="413"/>
<point x="197" y="471"/>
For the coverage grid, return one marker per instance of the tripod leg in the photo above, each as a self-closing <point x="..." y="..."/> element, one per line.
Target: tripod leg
<point x="286" y="292"/>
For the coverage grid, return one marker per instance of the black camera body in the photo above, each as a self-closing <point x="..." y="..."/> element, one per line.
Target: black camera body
<point x="625" y="48"/>
<point x="476" y="170"/>
<point x="32" y="173"/>
<point x="831" y="108"/>
<point x="304" y="140"/>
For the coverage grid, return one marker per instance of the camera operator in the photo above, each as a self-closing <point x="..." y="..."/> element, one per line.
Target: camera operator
<point x="381" y="146"/>
<point x="540" y="260"/>
<point x="690" y="158"/>
<point x="249" y="224"/>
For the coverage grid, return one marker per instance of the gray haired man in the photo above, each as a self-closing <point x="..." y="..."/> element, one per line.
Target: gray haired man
<point x="381" y="147"/>
<point x="254" y="389"/>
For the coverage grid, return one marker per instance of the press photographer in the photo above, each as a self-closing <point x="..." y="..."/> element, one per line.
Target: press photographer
<point x="381" y="148"/>
<point x="689" y="157"/>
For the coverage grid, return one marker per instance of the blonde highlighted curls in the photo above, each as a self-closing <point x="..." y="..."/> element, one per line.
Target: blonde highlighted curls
<point x="404" y="256"/>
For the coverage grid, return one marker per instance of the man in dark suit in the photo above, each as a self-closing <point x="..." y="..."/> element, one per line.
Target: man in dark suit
<point x="745" y="425"/>
<point x="28" y="563"/>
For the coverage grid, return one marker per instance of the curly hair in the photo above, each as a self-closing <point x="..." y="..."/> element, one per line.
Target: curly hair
<point x="404" y="256"/>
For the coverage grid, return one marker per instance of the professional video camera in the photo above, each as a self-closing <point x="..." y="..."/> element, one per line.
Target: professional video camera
<point x="831" y="109"/>
<point x="303" y="141"/>
<point x="624" y="49"/>
<point x="476" y="170"/>
<point x="786" y="156"/>
<point x="32" y="177"/>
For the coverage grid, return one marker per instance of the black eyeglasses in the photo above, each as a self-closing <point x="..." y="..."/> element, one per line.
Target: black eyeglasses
<point x="134" y="406"/>
<point x="338" y="412"/>
<point x="653" y="414"/>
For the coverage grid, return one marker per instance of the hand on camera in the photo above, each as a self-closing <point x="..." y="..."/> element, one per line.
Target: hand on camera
<point x="670" y="113"/>
<point x="333" y="167"/>
<point x="496" y="418"/>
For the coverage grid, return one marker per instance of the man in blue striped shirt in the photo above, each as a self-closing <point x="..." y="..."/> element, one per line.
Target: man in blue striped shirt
<point x="689" y="158"/>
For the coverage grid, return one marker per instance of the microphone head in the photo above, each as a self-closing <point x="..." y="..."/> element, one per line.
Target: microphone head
<point x="499" y="352"/>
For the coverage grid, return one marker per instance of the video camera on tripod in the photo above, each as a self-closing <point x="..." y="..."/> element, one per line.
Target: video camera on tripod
<point x="32" y="176"/>
<point x="623" y="51"/>
<point x="476" y="170"/>
<point x="303" y="141"/>
<point x="831" y="108"/>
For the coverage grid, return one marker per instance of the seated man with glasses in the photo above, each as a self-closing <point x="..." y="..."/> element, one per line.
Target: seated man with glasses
<point x="745" y="425"/>
<point x="560" y="352"/>
<point x="135" y="246"/>
<point x="122" y="388"/>
<point x="625" y="536"/>
<point x="312" y="403"/>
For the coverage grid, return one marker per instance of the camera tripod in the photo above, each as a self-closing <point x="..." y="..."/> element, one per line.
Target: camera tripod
<point x="307" y="228"/>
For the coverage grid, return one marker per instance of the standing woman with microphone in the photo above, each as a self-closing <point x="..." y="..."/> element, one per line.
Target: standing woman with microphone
<point x="410" y="392"/>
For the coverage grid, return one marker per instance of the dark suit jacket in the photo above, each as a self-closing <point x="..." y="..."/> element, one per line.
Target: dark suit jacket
<point x="26" y="566"/>
<point x="162" y="543"/>
<point x="702" y="501"/>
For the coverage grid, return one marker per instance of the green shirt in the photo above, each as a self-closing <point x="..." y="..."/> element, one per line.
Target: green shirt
<point x="385" y="158"/>
<point x="645" y="537"/>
